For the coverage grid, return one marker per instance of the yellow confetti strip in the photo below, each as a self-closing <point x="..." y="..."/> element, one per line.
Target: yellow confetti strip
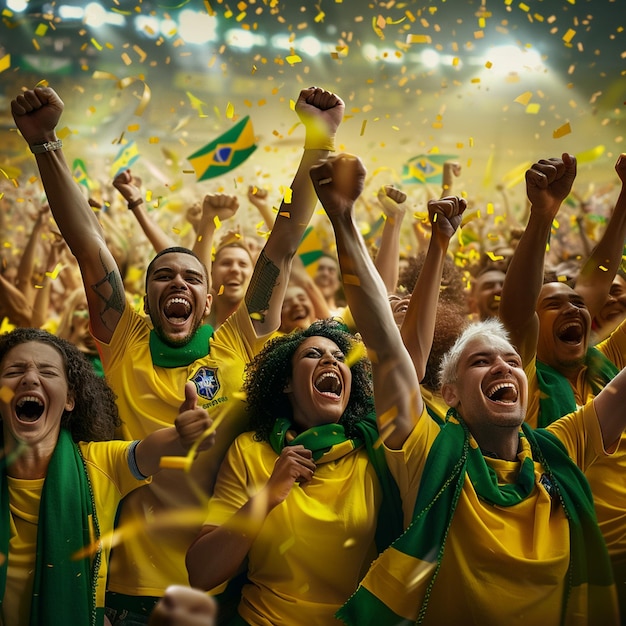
<point x="5" y="62"/>
<point x="569" y="35"/>
<point x="55" y="272"/>
<point x="357" y="353"/>
<point x="563" y="130"/>
<point x="418" y="39"/>
<point x="6" y="394"/>
<point x="524" y="98"/>
<point x="351" y="279"/>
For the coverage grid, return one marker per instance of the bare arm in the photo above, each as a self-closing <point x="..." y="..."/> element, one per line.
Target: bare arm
<point x="24" y="280"/>
<point x="129" y="187"/>
<point x="321" y="112"/>
<point x="418" y="326"/>
<point x="338" y="183"/>
<point x="258" y="197"/>
<point x="548" y="183"/>
<point x="219" y="551"/>
<point x="387" y="260"/>
<point x="598" y="272"/>
<point x="18" y="308"/>
<point x="214" y="205"/>
<point x="609" y="406"/>
<point x="36" y="113"/>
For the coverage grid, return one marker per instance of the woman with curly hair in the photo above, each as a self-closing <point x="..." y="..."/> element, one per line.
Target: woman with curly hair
<point x="305" y="501"/>
<point x="61" y="478"/>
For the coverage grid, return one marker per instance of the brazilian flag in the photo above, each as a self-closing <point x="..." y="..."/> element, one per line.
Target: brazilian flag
<point x="425" y="169"/>
<point x="128" y="154"/>
<point x="226" y="152"/>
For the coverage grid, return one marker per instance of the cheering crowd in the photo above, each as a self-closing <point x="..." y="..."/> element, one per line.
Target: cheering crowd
<point x="434" y="437"/>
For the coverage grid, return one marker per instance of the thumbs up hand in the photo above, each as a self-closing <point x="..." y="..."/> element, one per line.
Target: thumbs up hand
<point x="192" y="421"/>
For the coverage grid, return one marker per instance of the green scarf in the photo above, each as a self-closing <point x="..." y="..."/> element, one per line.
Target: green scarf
<point x="557" y="396"/>
<point x="328" y="442"/>
<point x="165" y="355"/>
<point x="64" y="588"/>
<point x="449" y="461"/>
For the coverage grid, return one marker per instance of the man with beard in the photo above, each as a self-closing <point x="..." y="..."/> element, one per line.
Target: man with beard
<point x="148" y="361"/>
<point x="550" y="326"/>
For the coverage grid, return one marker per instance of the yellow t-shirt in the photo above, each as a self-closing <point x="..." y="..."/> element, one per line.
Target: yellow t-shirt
<point x="111" y="479"/>
<point x="607" y="477"/>
<point x="500" y="565"/>
<point x="165" y="517"/>
<point x="314" y="547"/>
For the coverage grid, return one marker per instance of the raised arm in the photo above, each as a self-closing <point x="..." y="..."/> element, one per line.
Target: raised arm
<point x="548" y="183"/>
<point x="130" y="188"/>
<point x="387" y="260"/>
<point x="418" y="326"/>
<point x="259" y="198"/>
<point x="24" y="279"/>
<point x="36" y="113"/>
<point x="321" y="113"/>
<point x="338" y="183"/>
<point x="598" y="272"/>
<point x="215" y="205"/>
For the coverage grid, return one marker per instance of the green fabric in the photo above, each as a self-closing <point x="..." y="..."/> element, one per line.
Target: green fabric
<point x="450" y="460"/>
<point x="64" y="587"/>
<point x="164" y="355"/>
<point x="321" y="440"/>
<point x="557" y="396"/>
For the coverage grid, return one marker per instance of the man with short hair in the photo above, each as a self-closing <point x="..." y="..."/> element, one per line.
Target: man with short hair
<point x="148" y="361"/>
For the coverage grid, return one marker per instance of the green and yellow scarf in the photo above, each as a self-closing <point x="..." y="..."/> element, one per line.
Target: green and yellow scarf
<point x="328" y="442"/>
<point x="64" y="587"/>
<point x="384" y="597"/>
<point x="557" y="396"/>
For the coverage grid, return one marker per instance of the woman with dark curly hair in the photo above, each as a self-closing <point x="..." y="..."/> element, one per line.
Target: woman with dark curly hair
<point x="61" y="478"/>
<point x="305" y="501"/>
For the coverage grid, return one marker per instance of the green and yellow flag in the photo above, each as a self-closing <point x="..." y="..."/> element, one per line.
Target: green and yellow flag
<point x="125" y="158"/>
<point x="425" y="168"/>
<point x="226" y="152"/>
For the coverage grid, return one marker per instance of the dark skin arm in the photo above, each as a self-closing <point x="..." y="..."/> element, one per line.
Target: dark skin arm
<point x="548" y="183"/>
<point x="37" y="113"/>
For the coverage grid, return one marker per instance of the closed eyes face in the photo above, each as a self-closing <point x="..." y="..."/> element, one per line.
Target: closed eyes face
<point x="34" y="373"/>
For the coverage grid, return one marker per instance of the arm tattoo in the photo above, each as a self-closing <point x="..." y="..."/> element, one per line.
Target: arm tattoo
<point x="110" y="290"/>
<point x="261" y="286"/>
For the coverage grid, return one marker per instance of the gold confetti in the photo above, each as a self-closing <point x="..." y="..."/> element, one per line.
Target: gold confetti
<point x="563" y="130"/>
<point x="351" y="279"/>
<point x="418" y="39"/>
<point x="5" y="62"/>
<point x="6" y="394"/>
<point x="569" y="35"/>
<point x="524" y="98"/>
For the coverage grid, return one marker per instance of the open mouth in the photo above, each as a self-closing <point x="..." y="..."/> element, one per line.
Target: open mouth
<point x="177" y="310"/>
<point x="29" y="409"/>
<point x="329" y="384"/>
<point x="503" y="393"/>
<point x="571" y="333"/>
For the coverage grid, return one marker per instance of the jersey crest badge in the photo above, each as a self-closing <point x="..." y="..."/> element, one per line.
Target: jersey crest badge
<point x="206" y="382"/>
